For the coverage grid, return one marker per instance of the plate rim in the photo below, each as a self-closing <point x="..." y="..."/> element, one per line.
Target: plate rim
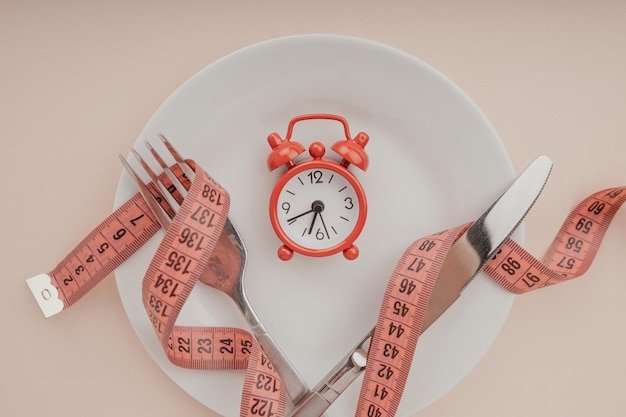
<point x="277" y="42"/>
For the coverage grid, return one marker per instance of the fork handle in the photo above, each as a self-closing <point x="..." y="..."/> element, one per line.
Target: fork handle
<point x="294" y="385"/>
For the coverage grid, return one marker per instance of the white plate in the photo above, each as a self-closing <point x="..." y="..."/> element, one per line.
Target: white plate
<point x="435" y="162"/>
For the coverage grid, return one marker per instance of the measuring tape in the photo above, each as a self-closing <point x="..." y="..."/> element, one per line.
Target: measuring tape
<point x="120" y="235"/>
<point x="571" y="252"/>
<point x="96" y="256"/>
<point x="400" y="323"/>
<point x="105" y="248"/>
<point x="181" y="257"/>
<point x="408" y="291"/>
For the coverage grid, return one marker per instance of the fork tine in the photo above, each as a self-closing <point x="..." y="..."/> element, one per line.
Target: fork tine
<point x="161" y="215"/>
<point x="155" y="154"/>
<point x="164" y="189"/>
<point x="186" y="169"/>
<point x="170" y="175"/>
<point x="176" y="182"/>
<point x="169" y="189"/>
<point x="162" y="198"/>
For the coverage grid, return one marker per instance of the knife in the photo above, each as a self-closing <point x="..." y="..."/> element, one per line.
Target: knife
<point x="466" y="258"/>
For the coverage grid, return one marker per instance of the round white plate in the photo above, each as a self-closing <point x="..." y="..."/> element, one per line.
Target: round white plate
<point x="435" y="162"/>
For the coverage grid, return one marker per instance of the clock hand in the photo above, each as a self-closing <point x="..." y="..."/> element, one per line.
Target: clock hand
<point x="318" y="207"/>
<point x="324" y="224"/>
<point x="293" y="219"/>
<point x="313" y="222"/>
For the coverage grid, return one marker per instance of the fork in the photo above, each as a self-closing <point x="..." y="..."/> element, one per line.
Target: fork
<point x="226" y="269"/>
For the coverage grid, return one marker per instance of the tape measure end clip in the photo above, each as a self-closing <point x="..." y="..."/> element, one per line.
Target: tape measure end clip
<point x="46" y="294"/>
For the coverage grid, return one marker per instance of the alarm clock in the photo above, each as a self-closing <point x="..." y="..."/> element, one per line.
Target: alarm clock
<point x="318" y="206"/>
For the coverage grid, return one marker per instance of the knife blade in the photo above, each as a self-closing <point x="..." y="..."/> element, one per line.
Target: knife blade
<point x="466" y="258"/>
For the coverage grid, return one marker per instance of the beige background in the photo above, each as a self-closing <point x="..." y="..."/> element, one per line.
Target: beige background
<point x="78" y="81"/>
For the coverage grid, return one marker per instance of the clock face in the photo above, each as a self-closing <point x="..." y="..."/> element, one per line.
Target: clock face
<point x="319" y="208"/>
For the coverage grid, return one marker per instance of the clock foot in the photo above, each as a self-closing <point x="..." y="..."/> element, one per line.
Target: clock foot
<point x="351" y="253"/>
<point x="285" y="253"/>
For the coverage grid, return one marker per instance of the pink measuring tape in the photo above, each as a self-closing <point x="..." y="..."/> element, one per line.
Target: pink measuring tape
<point x="187" y="246"/>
